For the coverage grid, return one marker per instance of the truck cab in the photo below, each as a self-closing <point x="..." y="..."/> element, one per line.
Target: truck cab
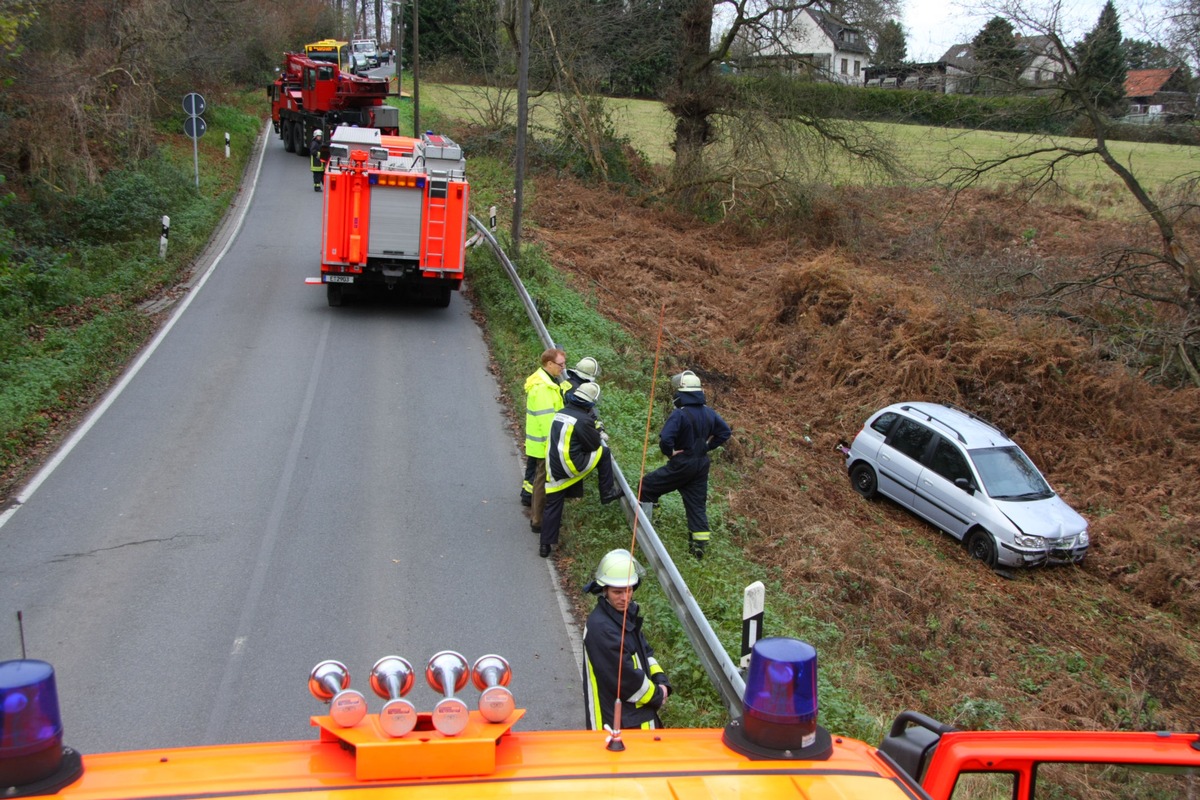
<point x="951" y="764"/>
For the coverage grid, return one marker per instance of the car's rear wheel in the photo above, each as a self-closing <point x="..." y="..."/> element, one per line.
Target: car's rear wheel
<point x="862" y="478"/>
<point x="982" y="546"/>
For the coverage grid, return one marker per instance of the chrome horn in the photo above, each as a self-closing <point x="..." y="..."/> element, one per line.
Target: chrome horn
<point x="491" y="674"/>
<point x="391" y="678"/>
<point x="329" y="682"/>
<point x="447" y="673"/>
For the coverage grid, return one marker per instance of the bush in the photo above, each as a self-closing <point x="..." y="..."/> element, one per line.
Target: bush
<point x="1037" y="114"/>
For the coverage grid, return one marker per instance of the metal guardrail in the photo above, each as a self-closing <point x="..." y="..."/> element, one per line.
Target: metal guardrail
<point x="721" y="670"/>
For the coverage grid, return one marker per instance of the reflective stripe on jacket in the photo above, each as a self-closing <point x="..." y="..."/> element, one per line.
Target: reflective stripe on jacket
<point x="641" y="676"/>
<point x="543" y="398"/>
<point x="574" y="450"/>
<point x="314" y="154"/>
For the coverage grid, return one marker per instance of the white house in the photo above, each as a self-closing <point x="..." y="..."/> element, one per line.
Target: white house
<point x="809" y="41"/>
<point x="1041" y="65"/>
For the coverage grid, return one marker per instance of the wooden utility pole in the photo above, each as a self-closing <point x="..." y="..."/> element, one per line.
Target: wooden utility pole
<point x="522" y="125"/>
<point x="416" y="69"/>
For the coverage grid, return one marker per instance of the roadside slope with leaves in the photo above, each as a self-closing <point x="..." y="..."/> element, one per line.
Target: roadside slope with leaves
<point x="800" y="334"/>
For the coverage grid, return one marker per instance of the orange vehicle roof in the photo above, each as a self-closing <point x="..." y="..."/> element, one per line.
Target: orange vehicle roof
<point x="683" y="763"/>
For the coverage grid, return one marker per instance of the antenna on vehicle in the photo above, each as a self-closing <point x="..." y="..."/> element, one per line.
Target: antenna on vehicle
<point x="21" y="632"/>
<point x="614" y="742"/>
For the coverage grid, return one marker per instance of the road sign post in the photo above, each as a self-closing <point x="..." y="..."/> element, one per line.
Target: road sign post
<point x="195" y="126"/>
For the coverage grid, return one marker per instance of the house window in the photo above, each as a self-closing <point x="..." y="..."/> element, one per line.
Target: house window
<point x="857" y="67"/>
<point x="845" y="65"/>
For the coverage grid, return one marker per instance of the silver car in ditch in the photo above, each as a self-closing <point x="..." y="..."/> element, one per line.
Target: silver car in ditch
<point x="965" y="476"/>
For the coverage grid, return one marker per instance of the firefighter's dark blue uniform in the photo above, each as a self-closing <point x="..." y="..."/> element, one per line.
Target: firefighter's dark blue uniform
<point x="690" y="432"/>
<point x="642" y="678"/>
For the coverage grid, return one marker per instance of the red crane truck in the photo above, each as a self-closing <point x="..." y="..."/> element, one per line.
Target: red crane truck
<point x="312" y="94"/>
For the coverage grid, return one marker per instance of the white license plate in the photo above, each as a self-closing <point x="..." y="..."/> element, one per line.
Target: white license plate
<point x="339" y="279"/>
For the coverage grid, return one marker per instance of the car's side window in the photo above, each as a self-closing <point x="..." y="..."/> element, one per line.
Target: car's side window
<point x="883" y="423"/>
<point x="949" y="462"/>
<point x="910" y="438"/>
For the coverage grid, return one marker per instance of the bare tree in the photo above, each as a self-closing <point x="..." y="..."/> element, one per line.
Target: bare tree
<point x="1166" y="275"/>
<point x="699" y="97"/>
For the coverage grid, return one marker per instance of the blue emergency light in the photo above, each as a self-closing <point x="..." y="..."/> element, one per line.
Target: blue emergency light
<point x="781" y="692"/>
<point x="780" y="704"/>
<point x="30" y="726"/>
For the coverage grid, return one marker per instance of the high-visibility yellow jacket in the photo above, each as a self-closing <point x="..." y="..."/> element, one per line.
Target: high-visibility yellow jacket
<point x="543" y="398"/>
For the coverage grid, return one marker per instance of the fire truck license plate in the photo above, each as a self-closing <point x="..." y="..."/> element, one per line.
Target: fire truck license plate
<point x="339" y="279"/>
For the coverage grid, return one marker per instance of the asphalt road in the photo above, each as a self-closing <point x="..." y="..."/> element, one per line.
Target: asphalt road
<point x="279" y="483"/>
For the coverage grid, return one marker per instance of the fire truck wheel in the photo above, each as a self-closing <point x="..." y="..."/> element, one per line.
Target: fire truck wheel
<point x="285" y="132"/>
<point x="333" y="293"/>
<point x="440" y="298"/>
<point x="298" y="138"/>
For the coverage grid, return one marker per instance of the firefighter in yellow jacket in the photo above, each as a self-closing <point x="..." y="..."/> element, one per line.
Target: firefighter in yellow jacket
<point x="543" y="399"/>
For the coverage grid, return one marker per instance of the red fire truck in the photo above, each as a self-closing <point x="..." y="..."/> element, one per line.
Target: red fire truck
<point x="395" y="215"/>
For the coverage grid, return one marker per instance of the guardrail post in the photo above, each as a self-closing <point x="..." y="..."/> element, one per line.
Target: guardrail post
<point x="753" y="602"/>
<point x="162" y="241"/>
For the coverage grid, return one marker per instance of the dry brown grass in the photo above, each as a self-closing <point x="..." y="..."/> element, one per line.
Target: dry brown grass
<point x="799" y="340"/>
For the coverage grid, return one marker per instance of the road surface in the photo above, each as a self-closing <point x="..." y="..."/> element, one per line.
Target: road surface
<point x="279" y="483"/>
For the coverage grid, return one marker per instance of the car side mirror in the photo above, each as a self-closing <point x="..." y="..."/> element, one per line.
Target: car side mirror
<point x="965" y="485"/>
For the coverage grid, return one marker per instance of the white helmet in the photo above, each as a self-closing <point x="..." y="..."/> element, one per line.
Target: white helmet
<point x="618" y="568"/>
<point x="587" y="368"/>
<point x="317" y="133"/>
<point x="686" y="381"/>
<point x="588" y="393"/>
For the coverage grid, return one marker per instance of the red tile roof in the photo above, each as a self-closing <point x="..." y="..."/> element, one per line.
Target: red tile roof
<point x="1146" y="82"/>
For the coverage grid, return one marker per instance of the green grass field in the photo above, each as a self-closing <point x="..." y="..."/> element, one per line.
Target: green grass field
<point x="924" y="152"/>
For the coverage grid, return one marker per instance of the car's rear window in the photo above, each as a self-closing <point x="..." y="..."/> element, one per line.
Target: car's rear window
<point x="910" y="438"/>
<point x="883" y="423"/>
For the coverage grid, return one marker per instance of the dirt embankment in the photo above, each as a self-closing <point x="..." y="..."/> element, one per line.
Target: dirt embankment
<point x="799" y="335"/>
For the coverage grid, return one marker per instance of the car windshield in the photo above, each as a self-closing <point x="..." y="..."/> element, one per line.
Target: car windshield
<point x="1008" y="474"/>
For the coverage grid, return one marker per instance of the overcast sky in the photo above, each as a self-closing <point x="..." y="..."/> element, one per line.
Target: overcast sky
<point x="934" y="25"/>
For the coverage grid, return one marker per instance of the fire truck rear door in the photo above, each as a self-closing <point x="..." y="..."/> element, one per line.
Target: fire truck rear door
<point x="395" y="222"/>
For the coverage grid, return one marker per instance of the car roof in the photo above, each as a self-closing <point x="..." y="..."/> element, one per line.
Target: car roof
<point x="970" y="430"/>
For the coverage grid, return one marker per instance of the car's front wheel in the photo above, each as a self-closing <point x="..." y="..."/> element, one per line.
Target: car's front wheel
<point x="862" y="478"/>
<point x="982" y="546"/>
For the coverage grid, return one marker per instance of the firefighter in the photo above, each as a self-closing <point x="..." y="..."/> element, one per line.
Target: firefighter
<point x="576" y="448"/>
<point x="585" y="371"/>
<point x="690" y="432"/>
<point x="613" y="644"/>
<point x="543" y="399"/>
<point x="318" y="157"/>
